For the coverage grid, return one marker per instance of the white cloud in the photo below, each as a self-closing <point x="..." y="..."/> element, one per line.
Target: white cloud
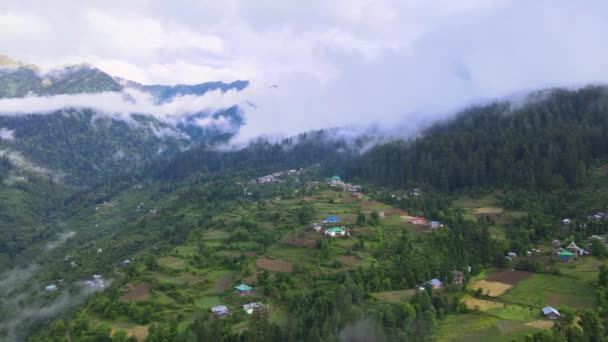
<point x="7" y="134"/>
<point x="336" y="62"/>
<point x="121" y="106"/>
<point x="15" y="26"/>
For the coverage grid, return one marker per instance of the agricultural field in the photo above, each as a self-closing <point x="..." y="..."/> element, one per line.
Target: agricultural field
<point x="513" y="302"/>
<point x="487" y="206"/>
<point x="544" y="289"/>
<point x="199" y="275"/>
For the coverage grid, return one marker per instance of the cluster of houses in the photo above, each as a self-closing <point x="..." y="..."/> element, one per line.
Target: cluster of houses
<point x="424" y="222"/>
<point x="599" y="216"/>
<point x="457" y="278"/>
<point x="570" y="252"/>
<point x="337" y="183"/>
<point x="277" y="177"/>
<point x="334" y="230"/>
<point x="222" y="310"/>
<point x="241" y="290"/>
<point x="98" y="282"/>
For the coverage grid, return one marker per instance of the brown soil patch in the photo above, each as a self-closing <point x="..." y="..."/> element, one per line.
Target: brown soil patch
<point x="491" y="288"/>
<point x="604" y="169"/>
<point x="481" y="304"/>
<point x="222" y="284"/>
<point x="300" y="242"/>
<point x="348" y="260"/>
<point x="394" y="212"/>
<point x="507" y="276"/>
<point x="140" y="292"/>
<point x="420" y="228"/>
<point x="488" y="211"/>
<point x="275" y="265"/>
<point x="542" y="324"/>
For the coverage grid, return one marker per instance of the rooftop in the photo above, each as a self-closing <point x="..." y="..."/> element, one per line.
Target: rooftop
<point x="548" y="309"/>
<point x="243" y="287"/>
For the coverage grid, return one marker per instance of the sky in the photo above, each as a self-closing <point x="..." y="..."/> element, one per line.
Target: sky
<point x="336" y="63"/>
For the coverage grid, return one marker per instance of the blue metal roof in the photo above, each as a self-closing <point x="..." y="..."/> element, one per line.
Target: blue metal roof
<point x="548" y="309"/>
<point x="332" y="219"/>
<point x="435" y="282"/>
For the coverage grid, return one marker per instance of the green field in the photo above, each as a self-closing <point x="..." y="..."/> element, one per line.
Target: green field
<point x="540" y="290"/>
<point x="493" y="325"/>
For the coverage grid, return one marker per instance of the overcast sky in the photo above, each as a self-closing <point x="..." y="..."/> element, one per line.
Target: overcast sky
<point x="335" y="62"/>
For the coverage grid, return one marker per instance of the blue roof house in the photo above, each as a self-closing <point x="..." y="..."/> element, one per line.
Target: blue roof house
<point x="550" y="313"/>
<point x="332" y="219"/>
<point x="435" y="283"/>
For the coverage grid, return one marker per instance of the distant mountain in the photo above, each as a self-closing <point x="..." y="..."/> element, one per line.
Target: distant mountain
<point x="85" y="144"/>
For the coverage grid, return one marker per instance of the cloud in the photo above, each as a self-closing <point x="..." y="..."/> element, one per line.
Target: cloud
<point x="341" y="62"/>
<point x="61" y="239"/>
<point x="15" y="26"/>
<point x="121" y="106"/>
<point x="7" y="134"/>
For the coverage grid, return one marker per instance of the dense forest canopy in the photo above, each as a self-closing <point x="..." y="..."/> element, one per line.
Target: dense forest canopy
<point x="545" y="144"/>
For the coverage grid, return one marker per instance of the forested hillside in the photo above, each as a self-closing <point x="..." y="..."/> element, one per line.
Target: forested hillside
<point x="89" y="145"/>
<point x="546" y="143"/>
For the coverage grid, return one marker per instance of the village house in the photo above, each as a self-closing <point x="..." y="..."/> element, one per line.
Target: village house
<point x="566" y="255"/>
<point x="566" y="221"/>
<point x="435" y="224"/>
<point x="220" y="310"/>
<point x="51" y="288"/>
<point x="418" y="220"/>
<point x="572" y="247"/>
<point x="317" y="227"/>
<point x="335" y="231"/>
<point x="550" y="313"/>
<point x="311" y="184"/>
<point x="556" y="242"/>
<point x="458" y="277"/>
<point x="335" y="181"/>
<point x="331" y="219"/>
<point x="249" y="308"/>
<point x="512" y="254"/>
<point x="243" y="290"/>
<point x="435" y="283"/>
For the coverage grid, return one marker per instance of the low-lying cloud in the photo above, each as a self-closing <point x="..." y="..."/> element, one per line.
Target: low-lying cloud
<point x="122" y="105"/>
<point x="7" y="134"/>
<point x="61" y="239"/>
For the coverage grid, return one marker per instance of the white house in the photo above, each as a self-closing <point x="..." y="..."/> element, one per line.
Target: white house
<point x="336" y="231"/>
<point x="249" y="308"/>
